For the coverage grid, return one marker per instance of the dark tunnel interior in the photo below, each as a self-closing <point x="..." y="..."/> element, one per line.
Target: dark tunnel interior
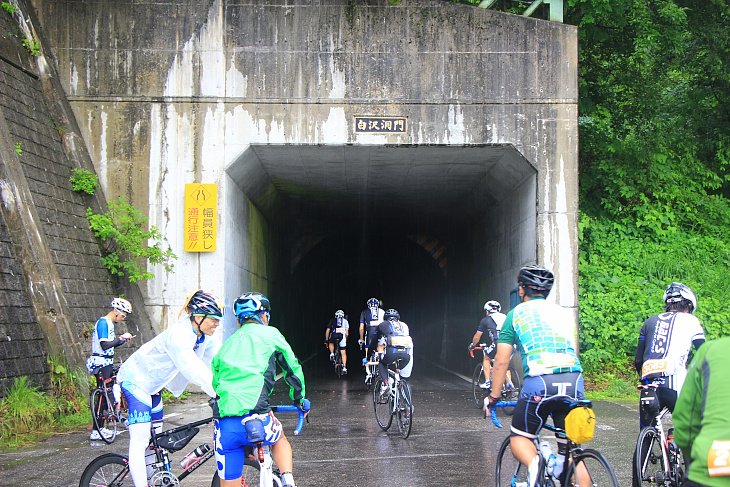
<point x="343" y="271"/>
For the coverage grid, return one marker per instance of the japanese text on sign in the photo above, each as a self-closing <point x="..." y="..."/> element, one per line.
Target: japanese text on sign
<point x="381" y="125"/>
<point x="201" y="217"/>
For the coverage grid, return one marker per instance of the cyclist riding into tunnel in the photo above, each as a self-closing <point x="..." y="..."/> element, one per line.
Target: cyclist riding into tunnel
<point x="492" y="324"/>
<point x="338" y="329"/>
<point x="544" y="333"/>
<point x="244" y="373"/>
<point x="369" y="318"/>
<point x="395" y="337"/>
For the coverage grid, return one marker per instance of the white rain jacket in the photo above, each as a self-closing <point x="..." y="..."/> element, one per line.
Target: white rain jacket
<point x="171" y="360"/>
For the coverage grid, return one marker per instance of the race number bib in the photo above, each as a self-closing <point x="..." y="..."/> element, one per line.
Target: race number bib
<point x="657" y="366"/>
<point x="555" y="360"/>
<point x="400" y="341"/>
<point x="718" y="458"/>
<point x="340" y="330"/>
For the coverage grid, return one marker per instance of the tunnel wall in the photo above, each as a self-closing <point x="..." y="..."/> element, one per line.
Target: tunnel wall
<point x="182" y="92"/>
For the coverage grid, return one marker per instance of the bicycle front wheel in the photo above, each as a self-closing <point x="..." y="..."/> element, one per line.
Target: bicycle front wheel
<point x="649" y="460"/>
<point x="511" y="389"/>
<point x="105" y="422"/>
<point x="382" y="405"/>
<point x="590" y="468"/>
<point x="510" y="472"/>
<point x="405" y="409"/>
<point x="477" y="379"/>
<point x="109" y="470"/>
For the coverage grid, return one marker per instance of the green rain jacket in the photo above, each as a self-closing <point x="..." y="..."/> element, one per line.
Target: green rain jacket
<point x="244" y="370"/>
<point x="701" y="419"/>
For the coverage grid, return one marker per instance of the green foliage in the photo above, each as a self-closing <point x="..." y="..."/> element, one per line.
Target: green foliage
<point x="83" y="180"/>
<point x="9" y="8"/>
<point x="18" y="148"/>
<point x="127" y="243"/>
<point x="33" y="45"/>
<point x="27" y="414"/>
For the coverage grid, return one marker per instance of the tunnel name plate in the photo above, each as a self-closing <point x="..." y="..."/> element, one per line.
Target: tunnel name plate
<point x="381" y="125"/>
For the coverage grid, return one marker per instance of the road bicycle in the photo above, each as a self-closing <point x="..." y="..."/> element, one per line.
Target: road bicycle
<point x="259" y="468"/>
<point x="658" y="459"/>
<point x="394" y="402"/>
<point x="481" y="388"/>
<point x="577" y="462"/>
<point x="337" y="360"/>
<point x="371" y="370"/>
<point x="106" y="413"/>
<point x="112" y="469"/>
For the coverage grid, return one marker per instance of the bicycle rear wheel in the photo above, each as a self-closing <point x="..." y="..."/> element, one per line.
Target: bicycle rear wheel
<point x="511" y="392"/>
<point x="405" y="409"/>
<point x="108" y="470"/>
<point x="382" y="405"/>
<point x="105" y="422"/>
<point x="478" y="378"/>
<point x="250" y="476"/>
<point x="592" y="464"/>
<point x="649" y="461"/>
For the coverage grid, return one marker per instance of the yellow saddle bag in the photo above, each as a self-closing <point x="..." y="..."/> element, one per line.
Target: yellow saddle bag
<point x="580" y="425"/>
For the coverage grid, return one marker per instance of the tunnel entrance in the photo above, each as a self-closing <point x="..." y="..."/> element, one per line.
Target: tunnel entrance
<point x="430" y="230"/>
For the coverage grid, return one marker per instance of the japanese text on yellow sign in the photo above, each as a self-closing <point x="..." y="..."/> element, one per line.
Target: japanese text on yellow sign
<point x="201" y="217"/>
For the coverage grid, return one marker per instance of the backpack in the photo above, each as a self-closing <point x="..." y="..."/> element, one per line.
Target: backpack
<point x="580" y="425"/>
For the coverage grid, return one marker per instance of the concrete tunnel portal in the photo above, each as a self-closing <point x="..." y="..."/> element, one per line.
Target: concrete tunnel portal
<point x="405" y="224"/>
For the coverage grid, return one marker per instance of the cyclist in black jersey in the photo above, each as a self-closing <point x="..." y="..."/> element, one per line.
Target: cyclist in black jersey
<point x="338" y="329"/>
<point x="369" y="318"/>
<point x="491" y="323"/>
<point x="395" y="337"/>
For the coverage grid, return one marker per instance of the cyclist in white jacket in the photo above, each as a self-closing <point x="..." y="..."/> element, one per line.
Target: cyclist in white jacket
<point x="177" y="356"/>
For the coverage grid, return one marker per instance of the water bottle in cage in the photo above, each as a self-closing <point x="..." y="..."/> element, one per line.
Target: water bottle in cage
<point x="194" y="456"/>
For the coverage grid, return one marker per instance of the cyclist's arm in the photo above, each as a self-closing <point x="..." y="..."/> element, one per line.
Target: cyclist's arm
<point x="639" y="357"/>
<point x="501" y="363"/>
<point x="107" y="344"/>
<point x="187" y="362"/>
<point x="291" y="368"/>
<point x="477" y="337"/>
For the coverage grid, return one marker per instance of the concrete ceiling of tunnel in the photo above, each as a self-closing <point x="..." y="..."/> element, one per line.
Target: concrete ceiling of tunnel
<point x="414" y="188"/>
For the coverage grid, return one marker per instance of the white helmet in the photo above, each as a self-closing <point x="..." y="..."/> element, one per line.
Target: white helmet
<point x="492" y="306"/>
<point x="677" y="292"/>
<point x="339" y="313"/>
<point x="122" y="305"/>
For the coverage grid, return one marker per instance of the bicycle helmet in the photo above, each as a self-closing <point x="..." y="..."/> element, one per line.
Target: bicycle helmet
<point x="678" y="292"/>
<point x="536" y="277"/>
<point x="373" y="303"/>
<point x="391" y="315"/>
<point x="121" y="304"/>
<point x="492" y="306"/>
<point x="201" y="303"/>
<point x="251" y="305"/>
<point x="339" y="314"/>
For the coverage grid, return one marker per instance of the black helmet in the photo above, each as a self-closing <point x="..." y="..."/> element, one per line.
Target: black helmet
<point x="373" y="303"/>
<point x="391" y="315"/>
<point x="201" y="303"/>
<point x="536" y="277"/>
<point x="678" y="292"/>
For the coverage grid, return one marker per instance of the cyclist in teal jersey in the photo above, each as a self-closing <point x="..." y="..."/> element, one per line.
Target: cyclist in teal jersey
<point x="544" y="333"/>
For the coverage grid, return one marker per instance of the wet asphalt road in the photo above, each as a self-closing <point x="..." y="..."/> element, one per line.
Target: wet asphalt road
<point x="450" y="443"/>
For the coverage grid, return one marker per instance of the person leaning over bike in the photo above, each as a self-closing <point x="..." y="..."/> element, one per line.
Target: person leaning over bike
<point x="701" y="421"/>
<point x="663" y="350"/>
<point x="338" y="329"/>
<point x="544" y="333"/>
<point x="398" y="345"/>
<point x="103" y="341"/>
<point x="244" y="372"/>
<point x="177" y="356"/>
<point x="492" y="324"/>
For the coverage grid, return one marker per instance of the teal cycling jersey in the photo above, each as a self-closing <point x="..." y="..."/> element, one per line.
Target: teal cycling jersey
<point x="544" y="333"/>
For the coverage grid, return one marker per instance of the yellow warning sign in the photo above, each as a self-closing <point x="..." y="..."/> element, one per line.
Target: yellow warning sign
<point x="201" y="217"/>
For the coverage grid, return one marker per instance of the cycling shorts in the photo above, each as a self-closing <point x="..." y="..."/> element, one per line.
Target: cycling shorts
<point x="542" y="396"/>
<point x="230" y="442"/>
<point x="491" y="350"/>
<point x="143" y="408"/>
<point x="338" y="338"/>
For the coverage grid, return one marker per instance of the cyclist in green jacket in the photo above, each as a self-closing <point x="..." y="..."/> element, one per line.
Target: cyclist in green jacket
<point x="244" y="373"/>
<point x="701" y="421"/>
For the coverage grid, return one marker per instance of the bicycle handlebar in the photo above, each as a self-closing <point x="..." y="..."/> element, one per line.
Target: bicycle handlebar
<point x="291" y="407"/>
<point x="500" y="404"/>
<point x="478" y="347"/>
